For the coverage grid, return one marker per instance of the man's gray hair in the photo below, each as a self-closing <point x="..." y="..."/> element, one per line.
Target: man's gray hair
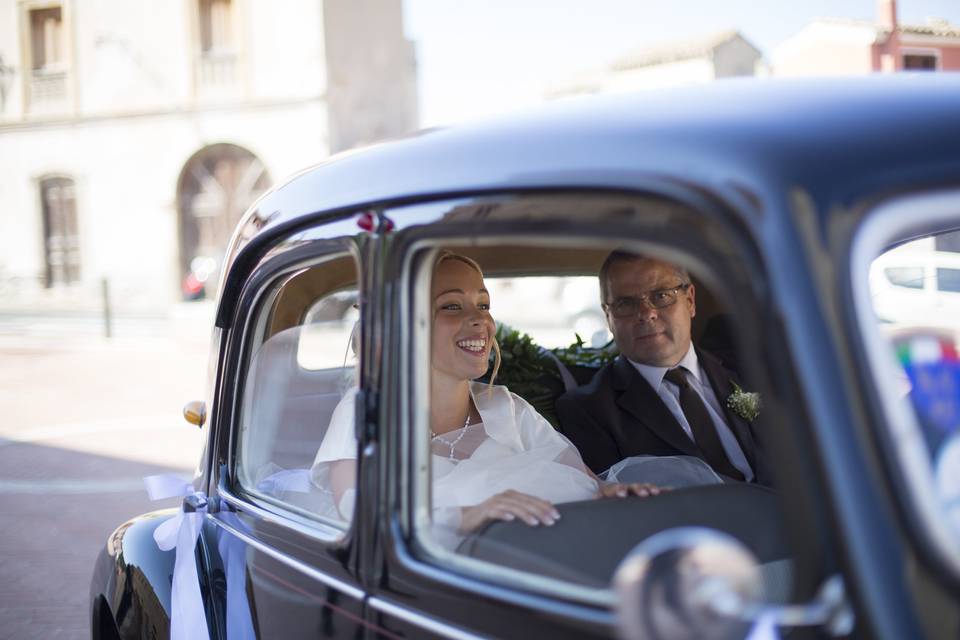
<point x="620" y="255"/>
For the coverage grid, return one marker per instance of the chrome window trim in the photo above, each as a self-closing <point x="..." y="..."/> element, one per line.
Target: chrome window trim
<point x="887" y="221"/>
<point x="293" y="563"/>
<point x="420" y="620"/>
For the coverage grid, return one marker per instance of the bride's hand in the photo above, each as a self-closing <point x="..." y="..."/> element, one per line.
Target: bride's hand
<point x="509" y="505"/>
<point x="622" y="490"/>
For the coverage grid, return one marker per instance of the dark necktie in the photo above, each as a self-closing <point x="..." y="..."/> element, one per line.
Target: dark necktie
<point x="704" y="431"/>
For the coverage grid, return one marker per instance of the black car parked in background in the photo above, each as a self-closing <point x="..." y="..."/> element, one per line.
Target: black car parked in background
<point x="778" y="197"/>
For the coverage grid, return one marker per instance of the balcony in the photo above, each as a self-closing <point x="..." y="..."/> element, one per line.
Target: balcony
<point x="48" y="88"/>
<point x="217" y="69"/>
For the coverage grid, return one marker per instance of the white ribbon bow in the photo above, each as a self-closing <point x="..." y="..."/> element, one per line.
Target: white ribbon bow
<point x="187" y="617"/>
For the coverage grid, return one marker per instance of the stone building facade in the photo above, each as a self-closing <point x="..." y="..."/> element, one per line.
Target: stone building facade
<point x="134" y="133"/>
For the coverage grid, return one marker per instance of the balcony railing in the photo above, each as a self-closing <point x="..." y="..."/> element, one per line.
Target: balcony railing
<point x="218" y="69"/>
<point x="48" y="87"/>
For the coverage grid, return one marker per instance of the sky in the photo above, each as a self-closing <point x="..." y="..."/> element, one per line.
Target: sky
<point x="483" y="57"/>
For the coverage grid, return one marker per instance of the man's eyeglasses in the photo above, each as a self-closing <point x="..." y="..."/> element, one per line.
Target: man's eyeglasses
<point x="658" y="299"/>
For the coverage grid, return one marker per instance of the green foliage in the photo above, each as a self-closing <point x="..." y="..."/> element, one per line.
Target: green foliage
<point x="522" y="360"/>
<point x="578" y="355"/>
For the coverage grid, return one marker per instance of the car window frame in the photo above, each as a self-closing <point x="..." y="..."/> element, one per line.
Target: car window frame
<point x="259" y="292"/>
<point x="495" y="232"/>
<point x="905" y="452"/>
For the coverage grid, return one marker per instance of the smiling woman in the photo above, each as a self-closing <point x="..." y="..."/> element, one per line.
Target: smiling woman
<point x="463" y="329"/>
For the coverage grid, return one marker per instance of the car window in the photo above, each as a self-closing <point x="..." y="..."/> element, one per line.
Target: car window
<point x="548" y="307"/>
<point x="300" y="382"/>
<point x="322" y="343"/>
<point x="522" y="448"/>
<point x="947" y="241"/>
<point x="519" y="443"/>
<point x="948" y="280"/>
<point x="909" y="277"/>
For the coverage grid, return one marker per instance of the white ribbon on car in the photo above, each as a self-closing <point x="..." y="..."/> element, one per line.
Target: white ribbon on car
<point x="187" y="617"/>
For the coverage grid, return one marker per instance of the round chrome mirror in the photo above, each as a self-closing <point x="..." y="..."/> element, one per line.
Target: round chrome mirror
<point x="687" y="584"/>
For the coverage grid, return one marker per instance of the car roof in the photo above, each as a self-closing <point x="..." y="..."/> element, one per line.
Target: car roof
<point x="749" y="141"/>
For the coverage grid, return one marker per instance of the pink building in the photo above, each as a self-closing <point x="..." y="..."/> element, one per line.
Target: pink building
<point x="832" y="46"/>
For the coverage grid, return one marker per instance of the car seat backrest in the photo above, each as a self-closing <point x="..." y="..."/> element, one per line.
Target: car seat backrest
<point x="286" y="408"/>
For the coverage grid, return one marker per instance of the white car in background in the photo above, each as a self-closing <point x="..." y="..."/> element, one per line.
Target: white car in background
<point x="917" y="285"/>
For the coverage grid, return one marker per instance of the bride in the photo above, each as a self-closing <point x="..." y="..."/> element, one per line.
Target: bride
<point x="493" y="456"/>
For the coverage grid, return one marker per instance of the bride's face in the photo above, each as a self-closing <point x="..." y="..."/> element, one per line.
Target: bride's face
<point x="463" y="328"/>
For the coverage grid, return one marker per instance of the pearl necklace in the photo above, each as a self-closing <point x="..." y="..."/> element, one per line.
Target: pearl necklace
<point x="436" y="436"/>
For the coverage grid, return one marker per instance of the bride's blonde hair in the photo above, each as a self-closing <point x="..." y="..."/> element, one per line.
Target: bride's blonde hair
<point x="446" y="255"/>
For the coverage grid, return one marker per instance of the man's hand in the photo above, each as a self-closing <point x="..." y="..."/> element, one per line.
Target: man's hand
<point x="622" y="490"/>
<point x="508" y="506"/>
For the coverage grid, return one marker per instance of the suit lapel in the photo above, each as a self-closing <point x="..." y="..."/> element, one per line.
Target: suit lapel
<point x="722" y="382"/>
<point x="638" y="398"/>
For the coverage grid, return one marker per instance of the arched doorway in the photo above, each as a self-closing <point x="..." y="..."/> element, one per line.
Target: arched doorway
<point x="216" y="186"/>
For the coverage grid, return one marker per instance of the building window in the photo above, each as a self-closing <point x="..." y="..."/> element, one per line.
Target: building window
<point x="46" y="38"/>
<point x="48" y="55"/>
<point x="919" y="62"/>
<point x="218" y="50"/>
<point x="61" y="240"/>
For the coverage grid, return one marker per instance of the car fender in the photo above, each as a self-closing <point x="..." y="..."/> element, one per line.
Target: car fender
<point x="131" y="582"/>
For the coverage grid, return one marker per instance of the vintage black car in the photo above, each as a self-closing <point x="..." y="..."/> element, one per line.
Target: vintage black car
<point x="784" y="200"/>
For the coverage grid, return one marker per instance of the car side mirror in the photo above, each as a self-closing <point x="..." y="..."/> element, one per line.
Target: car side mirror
<point x="195" y="412"/>
<point x="696" y="583"/>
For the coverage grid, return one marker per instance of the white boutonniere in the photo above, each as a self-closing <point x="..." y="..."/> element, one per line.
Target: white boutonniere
<point x="745" y="404"/>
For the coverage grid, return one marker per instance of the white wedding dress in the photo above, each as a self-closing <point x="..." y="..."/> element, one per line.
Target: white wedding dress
<point x="513" y="447"/>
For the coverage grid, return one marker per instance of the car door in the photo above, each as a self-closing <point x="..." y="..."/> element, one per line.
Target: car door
<point x="509" y="580"/>
<point x="282" y="551"/>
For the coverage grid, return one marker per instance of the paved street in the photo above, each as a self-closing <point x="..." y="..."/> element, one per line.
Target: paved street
<point x="82" y="420"/>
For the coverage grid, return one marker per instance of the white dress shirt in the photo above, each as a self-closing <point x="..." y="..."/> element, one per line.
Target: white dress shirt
<point x="670" y="394"/>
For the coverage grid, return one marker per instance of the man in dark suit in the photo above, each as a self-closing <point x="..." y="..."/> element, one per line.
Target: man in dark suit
<point x="661" y="396"/>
